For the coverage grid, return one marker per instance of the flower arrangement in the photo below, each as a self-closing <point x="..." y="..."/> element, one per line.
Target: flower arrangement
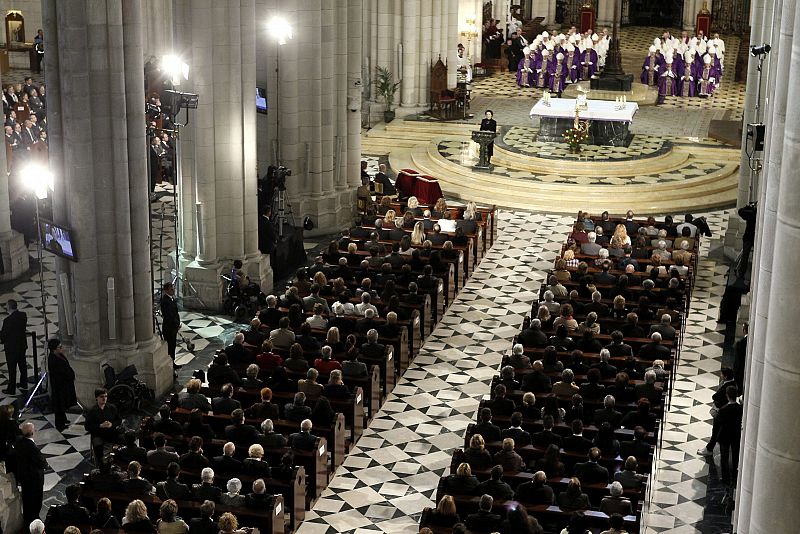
<point x="574" y="137"/>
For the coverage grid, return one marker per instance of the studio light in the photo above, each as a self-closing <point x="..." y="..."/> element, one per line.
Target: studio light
<point x="175" y="68"/>
<point x="760" y="50"/>
<point x="280" y="29"/>
<point x="39" y="179"/>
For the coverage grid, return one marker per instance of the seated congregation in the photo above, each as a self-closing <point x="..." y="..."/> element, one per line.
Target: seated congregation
<point x="567" y="437"/>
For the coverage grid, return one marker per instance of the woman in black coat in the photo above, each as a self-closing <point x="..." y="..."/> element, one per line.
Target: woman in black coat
<point x="62" y="383"/>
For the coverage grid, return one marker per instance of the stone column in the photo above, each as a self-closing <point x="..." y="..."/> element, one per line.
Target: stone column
<point x="546" y="9"/>
<point x="317" y="104"/>
<point x="425" y="57"/>
<point x="776" y="456"/>
<point x="766" y="284"/>
<point x="690" y="9"/>
<point x="157" y="28"/>
<point x="605" y="14"/>
<point x="410" y="34"/>
<point x="99" y="160"/>
<point x="218" y="201"/>
<point x="453" y="38"/>
<point x="12" y="244"/>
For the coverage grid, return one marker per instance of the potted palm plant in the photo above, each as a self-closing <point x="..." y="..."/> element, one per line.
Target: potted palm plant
<point x="386" y="87"/>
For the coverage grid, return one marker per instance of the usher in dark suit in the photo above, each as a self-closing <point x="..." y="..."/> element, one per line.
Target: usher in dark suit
<point x="15" y="341"/>
<point x="172" y="323"/>
<point x="30" y="475"/>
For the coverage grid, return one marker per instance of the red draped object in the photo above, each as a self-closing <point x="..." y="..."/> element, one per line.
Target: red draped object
<point x="425" y="188"/>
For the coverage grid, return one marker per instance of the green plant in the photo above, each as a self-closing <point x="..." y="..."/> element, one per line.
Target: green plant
<point x="385" y="85"/>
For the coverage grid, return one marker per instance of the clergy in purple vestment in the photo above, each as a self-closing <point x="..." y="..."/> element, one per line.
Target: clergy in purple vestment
<point x="573" y="62"/>
<point x="686" y="84"/>
<point x="558" y="73"/>
<point x="540" y="73"/>
<point x="588" y="62"/>
<point x="649" y="69"/>
<point x="525" y="68"/>
<point x="667" y="82"/>
<point x="707" y="78"/>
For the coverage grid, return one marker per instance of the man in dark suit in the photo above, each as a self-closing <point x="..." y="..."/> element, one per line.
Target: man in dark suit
<point x="30" y="472"/>
<point x="204" y="524"/>
<point x="297" y="410"/>
<point x="521" y="437"/>
<point x="220" y="372"/>
<point x="352" y="368"/>
<point x="590" y="472"/>
<point x="270" y="315"/>
<point x="618" y="348"/>
<point x="607" y="414"/>
<point x="14" y="337"/>
<point x="166" y="424"/>
<point x="489" y="124"/>
<point x="546" y="436"/>
<point x="206" y="490"/>
<point x="720" y="397"/>
<point x="729" y="434"/>
<point x="130" y="451"/>
<point x="303" y="440"/>
<point x="171" y="488"/>
<point x="194" y="458"/>
<point x="71" y="512"/>
<point x="171" y="320"/>
<point x="238" y="431"/>
<point x="390" y="328"/>
<point x="649" y="390"/>
<point x="604" y="277"/>
<point x="495" y="485"/>
<point x="638" y="447"/>
<point x="227" y="463"/>
<point x="501" y="405"/>
<point x="225" y="403"/>
<point x="102" y="422"/>
<point x="488" y="430"/>
<point x="483" y="520"/>
<point x="381" y="178"/>
<point x="596" y="305"/>
<point x="654" y="350"/>
<point x="535" y="491"/>
<point x="368" y="322"/>
<point x="606" y="369"/>
<point x="373" y="349"/>
<point x="134" y="483"/>
<point x="236" y="352"/>
<point x="537" y="381"/>
<point x="576" y="442"/>
<point x="395" y="233"/>
<point x="533" y="336"/>
<point x="161" y="456"/>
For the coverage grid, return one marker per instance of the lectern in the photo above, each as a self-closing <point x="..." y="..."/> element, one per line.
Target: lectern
<point x="484" y="138"/>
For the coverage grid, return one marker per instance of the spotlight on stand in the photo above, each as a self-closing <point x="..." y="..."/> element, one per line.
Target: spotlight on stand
<point x="181" y="100"/>
<point x="760" y="50"/>
<point x="280" y="29"/>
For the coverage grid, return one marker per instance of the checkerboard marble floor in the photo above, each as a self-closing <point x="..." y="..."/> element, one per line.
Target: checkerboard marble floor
<point x="393" y="471"/>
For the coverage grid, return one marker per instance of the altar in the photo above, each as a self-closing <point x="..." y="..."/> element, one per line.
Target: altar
<point x="608" y="120"/>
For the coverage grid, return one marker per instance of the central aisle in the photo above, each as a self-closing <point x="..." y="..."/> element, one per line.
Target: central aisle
<point x="392" y="473"/>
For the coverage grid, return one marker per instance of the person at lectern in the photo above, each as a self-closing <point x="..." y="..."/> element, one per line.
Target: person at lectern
<point x="490" y="125"/>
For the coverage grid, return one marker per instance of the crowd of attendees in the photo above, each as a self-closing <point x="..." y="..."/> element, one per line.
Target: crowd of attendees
<point x="25" y="122"/>
<point x="590" y="369"/>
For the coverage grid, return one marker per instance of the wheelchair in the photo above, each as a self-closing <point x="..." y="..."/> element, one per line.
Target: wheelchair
<point x="126" y="391"/>
<point x="241" y="302"/>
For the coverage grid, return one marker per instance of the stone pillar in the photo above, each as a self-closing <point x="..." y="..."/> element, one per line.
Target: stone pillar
<point x="452" y="40"/>
<point x="690" y="9"/>
<point x="99" y="160"/>
<point x="218" y="204"/>
<point x="546" y="9"/>
<point x="776" y="456"/>
<point x="12" y="244"/>
<point x="317" y="104"/>
<point x="425" y="56"/>
<point x="769" y="308"/>
<point x="410" y="34"/>
<point x="605" y="14"/>
<point x="157" y="28"/>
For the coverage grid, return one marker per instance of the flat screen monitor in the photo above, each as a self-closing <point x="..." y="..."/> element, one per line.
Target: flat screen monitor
<point x="261" y="100"/>
<point x="57" y="239"/>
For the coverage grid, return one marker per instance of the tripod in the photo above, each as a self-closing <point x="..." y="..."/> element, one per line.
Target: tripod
<point x="282" y="211"/>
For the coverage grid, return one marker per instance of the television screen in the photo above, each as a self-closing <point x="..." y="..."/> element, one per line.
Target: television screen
<point x="261" y="100"/>
<point x="57" y="239"/>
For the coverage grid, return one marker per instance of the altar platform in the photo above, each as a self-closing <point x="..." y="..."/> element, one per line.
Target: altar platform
<point x="609" y="121"/>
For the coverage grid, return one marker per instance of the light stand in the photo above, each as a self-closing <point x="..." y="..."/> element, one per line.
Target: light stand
<point x="40" y="179"/>
<point x="756" y="130"/>
<point x="177" y="69"/>
<point x="281" y="31"/>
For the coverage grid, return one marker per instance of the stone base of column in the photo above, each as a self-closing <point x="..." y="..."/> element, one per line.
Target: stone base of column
<point x="15" y="256"/>
<point x="258" y="268"/>
<point x="330" y="213"/>
<point x="202" y="287"/>
<point x="11" y="501"/>
<point x="151" y="360"/>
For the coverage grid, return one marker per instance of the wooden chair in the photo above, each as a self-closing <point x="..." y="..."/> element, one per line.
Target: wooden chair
<point x="442" y="99"/>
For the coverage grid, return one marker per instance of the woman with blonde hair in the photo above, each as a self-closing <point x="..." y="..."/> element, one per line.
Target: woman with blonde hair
<point x="543" y="314"/>
<point x="413" y="206"/>
<point x="445" y="514"/>
<point x="618" y="310"/>
<point x="389" y="217"/>
<point x="418" y="235"/>
<point x="320" y="279"/>
<point x="476" y="454"/>
<point x="570" y="259"/>
<point x="471" y="212"/>
<point x="136" y="518"/>
<point x="408" y="220"/>
<point x="561" y="272"/>
<point x="620" y="238"/>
